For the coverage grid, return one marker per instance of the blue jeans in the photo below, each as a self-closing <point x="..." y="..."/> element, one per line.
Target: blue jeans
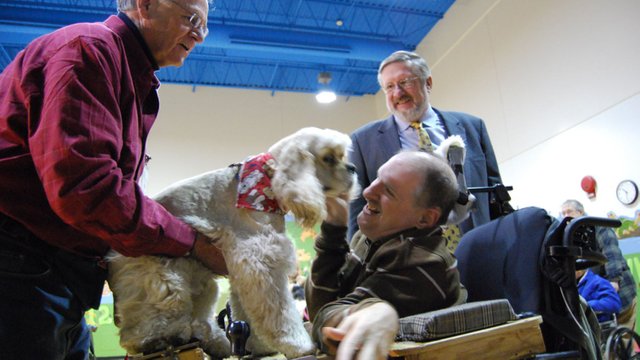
<point x="40" y="317"/>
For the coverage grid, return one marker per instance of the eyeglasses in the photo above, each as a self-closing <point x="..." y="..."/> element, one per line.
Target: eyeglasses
<point x="195" y="21"/>
<point x="406" y="84"/>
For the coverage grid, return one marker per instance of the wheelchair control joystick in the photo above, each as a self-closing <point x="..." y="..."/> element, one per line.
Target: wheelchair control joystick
<point x="238" y="332"/>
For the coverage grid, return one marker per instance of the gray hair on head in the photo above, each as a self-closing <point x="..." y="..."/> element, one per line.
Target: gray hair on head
<point x="574" y="204"/>
<point x="124" y="5"/>
<point x="415" y="62"/>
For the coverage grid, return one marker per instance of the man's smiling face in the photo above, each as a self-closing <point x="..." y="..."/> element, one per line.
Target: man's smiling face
<point x="172" y="37"/>
<point x="409" y="103"/>
<point x="391" y="200"/>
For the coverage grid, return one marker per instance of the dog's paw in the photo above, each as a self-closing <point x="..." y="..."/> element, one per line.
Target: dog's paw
<point x="297" y="346"/>
<point x="154" y="345"/>
<point x="218" y="348"/>
<point x="212" y="339"/>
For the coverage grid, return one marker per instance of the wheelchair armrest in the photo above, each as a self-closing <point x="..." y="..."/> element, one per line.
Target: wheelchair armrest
<point x="590" y="258"/>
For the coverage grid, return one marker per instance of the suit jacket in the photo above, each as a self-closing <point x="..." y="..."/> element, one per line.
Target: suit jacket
<point x="378" y="141"/>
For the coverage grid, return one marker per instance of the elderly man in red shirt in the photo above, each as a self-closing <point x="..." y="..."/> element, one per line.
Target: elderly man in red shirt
<point x="76" y="107"/>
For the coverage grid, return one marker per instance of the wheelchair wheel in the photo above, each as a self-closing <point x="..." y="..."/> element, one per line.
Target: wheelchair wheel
<point x="619" y="344"/>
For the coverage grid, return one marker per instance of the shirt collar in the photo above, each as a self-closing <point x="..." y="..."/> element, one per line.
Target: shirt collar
<point x="136" y="32"/>
<point x="430" y="118"/>
<point x="141" y="63"/>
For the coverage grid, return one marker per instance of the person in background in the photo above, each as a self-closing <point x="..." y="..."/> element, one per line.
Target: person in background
<point x="616" y="270"/>
<point x="405" y="79"/>
<point x="599" y="294"/>
<point x="396" y="265"/>
<point x="76" y="106"/>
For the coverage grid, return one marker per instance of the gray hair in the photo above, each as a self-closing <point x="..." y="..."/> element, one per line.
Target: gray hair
<point x="439" y="185"/>
<point x="574" y="204"/>
<point x="416" y="63"/>
<point x="124" y="5"/>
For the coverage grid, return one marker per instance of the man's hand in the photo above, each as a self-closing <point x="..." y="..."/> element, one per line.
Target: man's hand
<point x="615" y="285"/>
<point x="205" y="251"/>
<point x="337" y="210"/>
<point x="366" y="334"/>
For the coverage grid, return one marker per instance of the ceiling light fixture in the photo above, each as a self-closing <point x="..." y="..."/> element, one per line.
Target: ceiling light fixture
<point x="325" y="95"/>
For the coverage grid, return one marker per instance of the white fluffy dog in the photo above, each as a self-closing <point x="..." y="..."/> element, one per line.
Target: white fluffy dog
<point x="163" y="301"/>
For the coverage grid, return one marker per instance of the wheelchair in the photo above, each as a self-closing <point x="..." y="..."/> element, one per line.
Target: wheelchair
<point x="530" y="258"/>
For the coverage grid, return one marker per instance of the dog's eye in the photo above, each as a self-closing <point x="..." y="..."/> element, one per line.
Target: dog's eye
<point x="329" y="159"/>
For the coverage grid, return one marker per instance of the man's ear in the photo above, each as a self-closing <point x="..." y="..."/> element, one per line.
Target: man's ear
<point x="428" y="218"/>
<point x="429" y="83"/>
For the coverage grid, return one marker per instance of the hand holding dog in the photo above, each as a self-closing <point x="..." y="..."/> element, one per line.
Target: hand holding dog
<point x="205" y="251"/>
<point x="337" y="210"/>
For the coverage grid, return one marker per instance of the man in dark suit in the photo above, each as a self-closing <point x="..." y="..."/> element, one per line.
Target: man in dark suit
<point x="406" y="81"/>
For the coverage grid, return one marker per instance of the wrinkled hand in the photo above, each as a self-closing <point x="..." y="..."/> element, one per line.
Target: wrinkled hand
<point x="205" y="251"/>
<point x="337" y="210"/>
<point x="366" y="334"/>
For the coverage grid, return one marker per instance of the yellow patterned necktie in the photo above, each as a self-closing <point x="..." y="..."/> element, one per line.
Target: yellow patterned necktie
<point x="424" y="141"/>
<point x="451" y="234"/>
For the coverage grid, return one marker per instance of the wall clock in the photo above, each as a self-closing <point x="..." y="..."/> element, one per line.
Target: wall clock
<point x="627" y="192"/>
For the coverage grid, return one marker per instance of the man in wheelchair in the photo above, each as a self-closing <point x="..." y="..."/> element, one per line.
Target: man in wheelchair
<point x="396" y="265"/>
<point x="526" y="257"/>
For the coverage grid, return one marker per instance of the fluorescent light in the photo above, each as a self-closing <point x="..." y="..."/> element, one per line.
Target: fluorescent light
<point x="326" y="97"/>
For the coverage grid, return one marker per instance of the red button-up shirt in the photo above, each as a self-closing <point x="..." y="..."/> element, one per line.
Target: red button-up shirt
<point x="75" y="109"/>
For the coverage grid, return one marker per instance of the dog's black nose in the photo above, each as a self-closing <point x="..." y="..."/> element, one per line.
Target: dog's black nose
<point x="351" y="168"/>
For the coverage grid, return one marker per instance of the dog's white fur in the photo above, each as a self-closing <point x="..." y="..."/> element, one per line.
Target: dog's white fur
<point x="161" y="301"/>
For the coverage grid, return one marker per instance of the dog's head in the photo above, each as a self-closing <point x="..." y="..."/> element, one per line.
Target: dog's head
<point x="310" y="165"/>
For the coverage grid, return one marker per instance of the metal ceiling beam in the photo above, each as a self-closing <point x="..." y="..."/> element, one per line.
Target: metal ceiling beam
<point x="321" y="16"/>
<point x="277" y="45"/>
<point x="5" y="59"/>
<point x="298" y="43"/>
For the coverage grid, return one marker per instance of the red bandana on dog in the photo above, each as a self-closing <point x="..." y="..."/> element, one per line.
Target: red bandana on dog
<point x="254" y="185"/>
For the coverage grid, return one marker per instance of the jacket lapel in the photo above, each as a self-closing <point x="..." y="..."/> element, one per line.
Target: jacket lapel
<point x="452" y="125"/>
<point x="388" y="137"/>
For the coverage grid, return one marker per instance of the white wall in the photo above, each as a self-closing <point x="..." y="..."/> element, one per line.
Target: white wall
<point x="557" y="84"/>
<point x="552" y="170"/>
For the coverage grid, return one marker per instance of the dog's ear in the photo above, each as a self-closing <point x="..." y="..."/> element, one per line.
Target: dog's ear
<point x="294" y="183"/>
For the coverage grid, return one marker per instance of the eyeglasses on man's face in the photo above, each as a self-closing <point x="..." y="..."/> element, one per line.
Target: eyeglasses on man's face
<point x="405" y="84"/>
<point x="195" y="21"/>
